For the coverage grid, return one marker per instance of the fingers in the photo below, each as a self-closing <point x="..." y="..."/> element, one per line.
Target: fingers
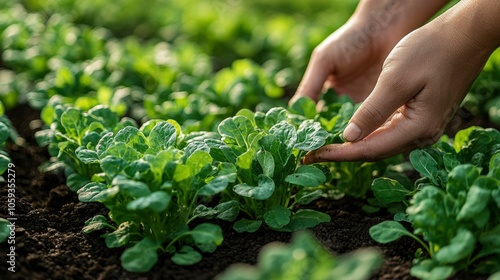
<point x="399" y="136"/>
<point x="392" y="91"/>
<point x="317" y="72"/>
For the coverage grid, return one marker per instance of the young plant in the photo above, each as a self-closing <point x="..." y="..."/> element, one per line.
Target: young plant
<point x="6" y="131"/>
<point x="305" y="258"/>
<point x="347" y="178"/>
<point x="72" y="129"/>
<point x="265" y="151"/>
<point x="152" y="188"/>
<point x="455" y="213"/>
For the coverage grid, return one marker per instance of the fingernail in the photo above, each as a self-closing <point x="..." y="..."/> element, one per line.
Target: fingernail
<point x="309" y="158"/>
<point x="352" y="132"/>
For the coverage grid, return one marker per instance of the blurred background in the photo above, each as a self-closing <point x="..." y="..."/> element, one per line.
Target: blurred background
<point x="158" y="52"/>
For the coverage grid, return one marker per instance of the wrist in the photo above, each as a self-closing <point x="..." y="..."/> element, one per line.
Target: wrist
<point x="388" y="21"/>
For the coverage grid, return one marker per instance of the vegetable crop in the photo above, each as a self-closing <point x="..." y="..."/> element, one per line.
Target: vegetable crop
<point x="265" y="151"/>
<point x="455" y="214"/>
<point x="305" y="258"/>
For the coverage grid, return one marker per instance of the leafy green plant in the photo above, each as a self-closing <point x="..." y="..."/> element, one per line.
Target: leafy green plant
<point x="4" y="229"/>
<point x="347" y="178"/>
<point x="455" y="212"/>
<point x="71" y="129"/>
<point x="6" y="131"/>
<point x="305" y="258"/>
<point x="265" y="150"/>
<point x="151" y="189"/>
<point x="149" y="184"/>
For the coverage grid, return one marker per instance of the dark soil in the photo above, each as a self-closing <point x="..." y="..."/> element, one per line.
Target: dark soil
<point x="50" y="244"/>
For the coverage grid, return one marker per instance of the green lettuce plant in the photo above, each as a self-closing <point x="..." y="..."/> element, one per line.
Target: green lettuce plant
<point x="305" y="258"/>
<point x="152" y="188"/>
<point x="455" y="210"/>
<point x="264" y="150"/>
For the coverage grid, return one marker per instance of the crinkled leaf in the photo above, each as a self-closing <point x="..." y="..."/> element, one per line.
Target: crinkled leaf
<point x="310" y="136"/>
<point x="228" y="211"/>
<point x="107" y="117"/>
<point x="278" y="150"/>
<point x="162" y="136"/>
<point x="103" y="144"/>
<point x="141" y="257"/>
<point x="71" y="120"/>
<point x="87" y="156"/>
<point x="245" y="225"/>
<point x="157" y="202"/>
<point x="91" y="192"/>
<point x="274" y="116"/>
<point x="112" y="165"/>
<point x="119" y="237"/>
<point x="262" y="191"/>
<point x="237" y="129"/>
<point x="306" y="176"/>
<point x="388" y="190"/>
<point x="95" y="223"/>
<point x="121" y="150"/>
<point x="277" y="217"/>
<point x="285" y="133"/>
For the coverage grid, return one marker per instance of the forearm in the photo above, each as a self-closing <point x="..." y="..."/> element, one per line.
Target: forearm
<point x="477" y="20"/>
<point x="401" y="16"/>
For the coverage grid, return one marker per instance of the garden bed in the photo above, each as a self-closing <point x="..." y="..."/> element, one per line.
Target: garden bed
<point x="50" y="243"/>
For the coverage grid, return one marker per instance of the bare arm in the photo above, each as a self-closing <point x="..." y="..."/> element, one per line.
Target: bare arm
<point x="423" y="81"/>
<point x="351" y="58"/>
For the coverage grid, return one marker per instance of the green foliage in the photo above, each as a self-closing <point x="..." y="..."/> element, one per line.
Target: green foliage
<point x="150" y="186"/>
<point x="265" y="150"/>
<point x="455" y="214"/>
<point x="305" y="258"/>
<point x="346" y="178"/>
<point x="7" y="132"/>
<point x="4" y="230"/>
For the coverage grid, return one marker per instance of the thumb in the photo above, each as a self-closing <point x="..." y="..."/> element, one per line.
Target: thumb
<point x="390" y="93"/>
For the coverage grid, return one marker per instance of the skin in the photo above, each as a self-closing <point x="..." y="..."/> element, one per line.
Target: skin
<point x="411" y="78"/>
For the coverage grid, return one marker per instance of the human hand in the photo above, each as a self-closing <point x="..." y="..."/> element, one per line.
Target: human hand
<point x="422" y="83"/>
<point x="350" y="59"/>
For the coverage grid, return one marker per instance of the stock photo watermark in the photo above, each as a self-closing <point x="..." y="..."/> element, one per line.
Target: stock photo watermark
<point x="379" y="20"/>
<point x="11" y="218"/>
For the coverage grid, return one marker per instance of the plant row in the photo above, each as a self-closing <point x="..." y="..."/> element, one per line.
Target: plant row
<point x="453" y="209"/>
